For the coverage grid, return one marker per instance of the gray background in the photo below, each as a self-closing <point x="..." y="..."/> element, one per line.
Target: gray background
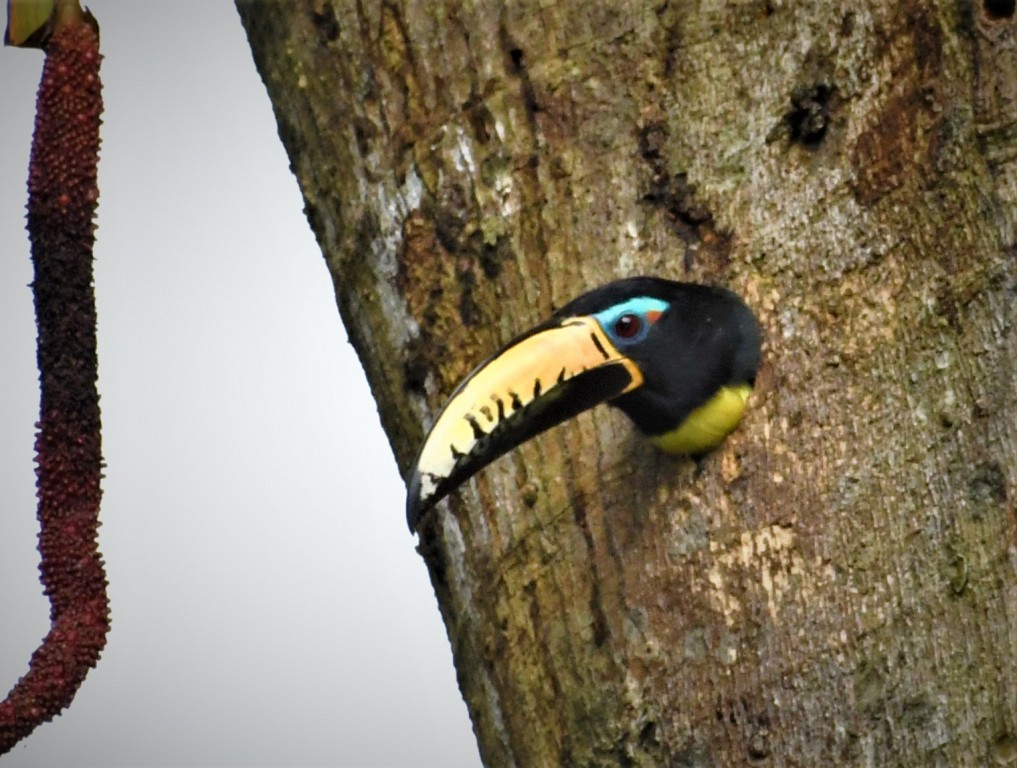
<point x="268" y="605"/>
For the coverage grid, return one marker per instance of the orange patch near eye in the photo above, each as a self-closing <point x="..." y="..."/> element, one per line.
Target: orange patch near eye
<point x="653" y="315"/>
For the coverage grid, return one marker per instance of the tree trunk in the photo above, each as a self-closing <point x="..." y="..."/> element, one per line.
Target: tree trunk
<point x="835" y="585"/>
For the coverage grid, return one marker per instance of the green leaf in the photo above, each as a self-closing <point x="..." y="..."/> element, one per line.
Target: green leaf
<point x="28" y="22"/>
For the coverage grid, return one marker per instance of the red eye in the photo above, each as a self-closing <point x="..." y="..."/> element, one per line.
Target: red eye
<point x="627" y="326"/>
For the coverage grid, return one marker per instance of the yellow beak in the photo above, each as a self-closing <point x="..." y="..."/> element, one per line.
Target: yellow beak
<point x="537" y="381"/>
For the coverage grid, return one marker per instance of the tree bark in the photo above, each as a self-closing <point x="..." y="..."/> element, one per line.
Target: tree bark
<point x="837" y="584"/>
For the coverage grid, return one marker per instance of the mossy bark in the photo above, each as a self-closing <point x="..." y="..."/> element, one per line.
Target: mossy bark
<point x="836" y="585"/>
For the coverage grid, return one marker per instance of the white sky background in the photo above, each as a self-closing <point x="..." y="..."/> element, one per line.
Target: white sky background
<point x="268" y="605"/>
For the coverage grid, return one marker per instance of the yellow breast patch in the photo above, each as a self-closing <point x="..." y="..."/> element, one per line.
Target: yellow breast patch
<point x="708" y="425"/>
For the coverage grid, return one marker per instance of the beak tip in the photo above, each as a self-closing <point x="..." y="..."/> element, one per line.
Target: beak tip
<point x="414" y="502"/>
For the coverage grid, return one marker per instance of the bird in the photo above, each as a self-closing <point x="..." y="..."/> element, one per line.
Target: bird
<point x="679" y="359"/>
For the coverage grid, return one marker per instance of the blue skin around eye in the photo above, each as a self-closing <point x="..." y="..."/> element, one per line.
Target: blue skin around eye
<point x="640" y="305"/>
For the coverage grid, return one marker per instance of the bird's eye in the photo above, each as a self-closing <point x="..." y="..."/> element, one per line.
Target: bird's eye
<point x="628" y="326"/>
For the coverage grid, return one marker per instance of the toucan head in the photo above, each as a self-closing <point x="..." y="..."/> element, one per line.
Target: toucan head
<point x="678" y="358"/>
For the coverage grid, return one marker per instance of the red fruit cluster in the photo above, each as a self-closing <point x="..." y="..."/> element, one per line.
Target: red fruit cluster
<point x="61" y="209"/>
